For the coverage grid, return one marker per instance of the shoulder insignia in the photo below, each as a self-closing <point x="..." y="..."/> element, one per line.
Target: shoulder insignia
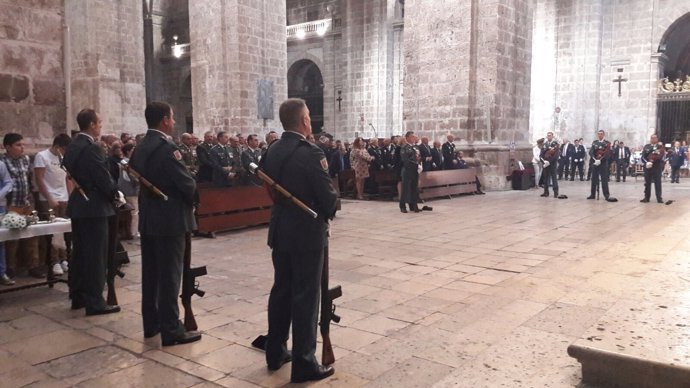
<point x="177" y="154"/>
<point x="324" y="164"/>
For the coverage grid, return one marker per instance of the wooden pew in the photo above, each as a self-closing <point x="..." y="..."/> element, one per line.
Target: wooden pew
<point x="446" y="183"/>
<point x="227" y="208"/>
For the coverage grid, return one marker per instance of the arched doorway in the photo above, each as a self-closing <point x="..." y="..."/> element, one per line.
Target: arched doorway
<point x="305" y="82"/>
<point x="673" y="102"/>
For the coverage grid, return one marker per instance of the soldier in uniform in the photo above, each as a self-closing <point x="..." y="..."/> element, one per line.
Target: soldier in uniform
<point x="203" y="152"/>
<point x="298" y="242"/>
<point x="85" y="161"/>
<point x="162" y="225"/>
<point x="654" y="159"/>
<point x="600" y="154"/>
<point x="225" y="161"/>
<point x="188" y="151"/>
<point x="578" y="160"/>
<point x="448" y="149"/>
<point x="549" y="159"/>
<point x="251" y="155"/>
<point x="410" y="158"/>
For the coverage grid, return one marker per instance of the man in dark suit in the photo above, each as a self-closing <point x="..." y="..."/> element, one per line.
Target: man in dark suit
<point x="425" y="154"/>
<point x="564" y="158"/>
<point x="578" y="163"/>
<point x="251" y="155"/>
<point x="225" y="160"/>
<point x="85" y="161"/>
<point x="449" y="160"/>
<point x="298" y="242"/>
<point x="676" y="160"/>
<point x="437" y="157"/>
<point x="162" y="225"/>
<point x="203" y="152"/>
<point x="621" y="155"/>
<point x="409" y="156"/>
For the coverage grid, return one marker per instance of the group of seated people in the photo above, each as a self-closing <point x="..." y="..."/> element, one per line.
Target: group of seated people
<point x="368" y="158"/>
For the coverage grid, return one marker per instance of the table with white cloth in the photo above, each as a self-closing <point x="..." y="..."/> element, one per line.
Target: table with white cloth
<point x="42" y="228"/>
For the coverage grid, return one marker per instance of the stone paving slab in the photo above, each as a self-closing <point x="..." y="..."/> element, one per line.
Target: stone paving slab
<point x="490" y="296"/>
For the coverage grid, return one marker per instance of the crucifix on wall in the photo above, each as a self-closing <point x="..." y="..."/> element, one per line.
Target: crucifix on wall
<point x="620" y="81"/>
<point x="339" y="99"/>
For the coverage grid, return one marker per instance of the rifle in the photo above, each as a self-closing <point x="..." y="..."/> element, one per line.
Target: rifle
<point x="77" y="186"/>
<point x="144" y="182"/>
<point x="327" y="311"/>
<point x="190" y="286"/>
<point x="254" y="169"/>
<point x="117" y="256"/>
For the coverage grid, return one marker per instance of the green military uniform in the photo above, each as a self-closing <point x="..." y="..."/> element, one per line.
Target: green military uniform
<point x="600" y="173"/>
<point x="250" y="156"/>
<point x="189" y="158"/>
<point x="656" y="154"/>
<point x="225" y="161"/>
<point x="298" y="242"/>
<point x="549" y="173"/>
<point x="203" y="153"/>
<point x="85" y="161"/>
<point x="410" y="177"/>
<point x="162" y="225"/>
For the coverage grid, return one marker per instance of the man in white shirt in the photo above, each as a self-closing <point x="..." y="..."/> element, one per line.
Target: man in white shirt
<point x="51" y="180"/>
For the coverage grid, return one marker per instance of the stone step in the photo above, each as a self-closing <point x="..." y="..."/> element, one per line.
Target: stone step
<point x="605" y="369"/>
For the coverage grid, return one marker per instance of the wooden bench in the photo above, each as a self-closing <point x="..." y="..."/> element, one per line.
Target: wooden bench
<point x="228" y="208"/>
<point x="446" y="183"/>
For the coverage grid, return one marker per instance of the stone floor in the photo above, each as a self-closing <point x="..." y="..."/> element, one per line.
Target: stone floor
<point x="485" y="291"/>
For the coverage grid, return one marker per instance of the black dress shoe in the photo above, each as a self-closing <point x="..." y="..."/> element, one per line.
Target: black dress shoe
<point x="416" y="210"/>
<point x="659" y="200"/>
<point x="103" y="311"/>
<point x="427" y="208"/>
<point x="185" y="338"/>
<point x="77" y="304"/>
<point x="590" y="197"/>
<point x="644" y="200"/>
<point x="403" y="210"/>
<point x="151" y="334"/>
<point x="273" y="366"/>
<point x="611" y="199"/>
<point x="321" y="373"/>
<point x="544" y="195"/>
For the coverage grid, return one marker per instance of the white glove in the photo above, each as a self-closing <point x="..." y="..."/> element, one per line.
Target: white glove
<point x="419" y="168"/>
<point x="597" y="162"/>
<point x="546" y="163"/>
<point x="648" y="165"/>
<point x="119" y="199"/>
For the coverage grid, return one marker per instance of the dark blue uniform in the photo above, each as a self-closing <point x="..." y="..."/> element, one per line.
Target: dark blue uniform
<point x="162" y="225"/>
<point x="298" y="243"/>
<point x="86" y="163"/>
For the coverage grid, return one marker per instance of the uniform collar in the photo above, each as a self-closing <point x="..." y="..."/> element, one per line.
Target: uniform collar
<point x="157" y="132"/>
<point x="91" y="139"/>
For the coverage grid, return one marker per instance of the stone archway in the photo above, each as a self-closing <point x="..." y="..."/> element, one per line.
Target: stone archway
<point x="673" y="108"/>
<point x="306" y="82"/>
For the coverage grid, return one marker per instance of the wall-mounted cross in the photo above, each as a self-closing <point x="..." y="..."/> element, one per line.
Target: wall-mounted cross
<point x="339" y="99"/>
<point x="620" y="81"/>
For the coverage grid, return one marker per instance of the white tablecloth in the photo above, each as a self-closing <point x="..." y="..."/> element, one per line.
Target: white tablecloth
<point x="59" y="226"/>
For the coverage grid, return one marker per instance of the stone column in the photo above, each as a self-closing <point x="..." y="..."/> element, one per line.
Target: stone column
<point x="108" y="62"/>
<point x="234" y="45"/>
<point x="467" y="72"/>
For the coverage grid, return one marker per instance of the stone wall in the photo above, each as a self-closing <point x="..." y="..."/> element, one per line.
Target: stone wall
<point x="467" y="72"/>
<point x="579" y="48"/>
<point x="236" y="43"/>
<point x="32" y="99"/>
<point x="108" y="62"/>
<point x="360" y="57"/>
